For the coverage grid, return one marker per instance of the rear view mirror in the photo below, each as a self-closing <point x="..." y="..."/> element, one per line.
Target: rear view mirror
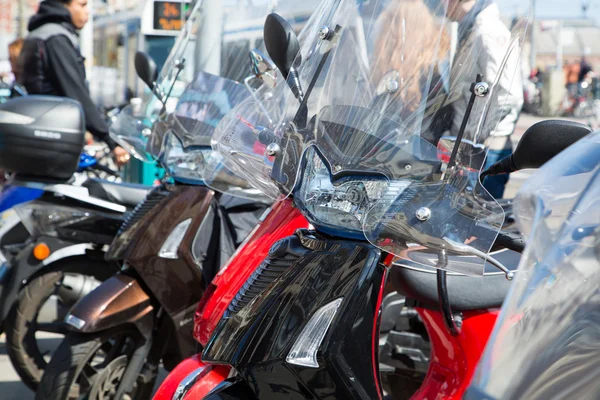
<point x="282" y="43"/>
<point x="146" y="69"/>
<point x="284" y="49"/>
<point x="539" y="144"/>
<point x="263" y="67"/>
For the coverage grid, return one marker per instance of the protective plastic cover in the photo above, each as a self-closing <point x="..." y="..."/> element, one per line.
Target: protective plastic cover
<point x="386" y="86"/>
<point x="545" y="343"/>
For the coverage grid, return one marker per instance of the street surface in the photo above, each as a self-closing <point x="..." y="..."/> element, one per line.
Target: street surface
<point x="12" y="389"/>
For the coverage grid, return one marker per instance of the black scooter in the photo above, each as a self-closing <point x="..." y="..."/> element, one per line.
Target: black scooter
<point x="53" y="247"/>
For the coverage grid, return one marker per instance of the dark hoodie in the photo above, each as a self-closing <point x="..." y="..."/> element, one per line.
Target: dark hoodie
<point x="52" y="64"/>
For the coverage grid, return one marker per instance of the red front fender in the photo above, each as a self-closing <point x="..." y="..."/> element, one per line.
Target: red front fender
<point x="193" y="379"/>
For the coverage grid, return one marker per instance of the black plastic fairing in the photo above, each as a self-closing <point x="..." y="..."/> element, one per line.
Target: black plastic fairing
<point x="257" y="339"/>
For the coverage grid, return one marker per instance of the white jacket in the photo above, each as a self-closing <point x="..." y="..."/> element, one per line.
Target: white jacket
<point x="484" y="52"/>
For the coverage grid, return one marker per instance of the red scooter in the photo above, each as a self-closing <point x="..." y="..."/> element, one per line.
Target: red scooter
<point x="308" y="322"/>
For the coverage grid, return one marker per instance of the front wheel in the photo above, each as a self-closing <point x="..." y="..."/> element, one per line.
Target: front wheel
<point x="91" y="367"/>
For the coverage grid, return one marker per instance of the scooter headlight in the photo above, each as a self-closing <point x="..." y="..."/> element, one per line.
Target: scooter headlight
<point x="47" y="219"/>
<point x="340" y="206"/>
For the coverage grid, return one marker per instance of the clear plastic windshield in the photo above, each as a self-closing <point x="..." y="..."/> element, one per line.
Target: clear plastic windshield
<point x="209" y="66"/>
<point x="131" y="129"/>
<point x="545" y="343"/>
<point x="385" y="87"/>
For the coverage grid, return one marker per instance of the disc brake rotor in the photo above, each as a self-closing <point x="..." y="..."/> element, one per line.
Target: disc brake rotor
<point x="107" y="382"/>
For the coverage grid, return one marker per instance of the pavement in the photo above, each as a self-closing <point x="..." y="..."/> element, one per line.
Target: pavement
<point x="12" y="389"/>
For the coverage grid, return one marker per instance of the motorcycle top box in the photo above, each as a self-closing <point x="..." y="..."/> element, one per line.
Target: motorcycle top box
<point x="41" y="137"/>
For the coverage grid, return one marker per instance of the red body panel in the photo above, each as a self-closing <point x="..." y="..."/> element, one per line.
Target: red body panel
<point x="211" y="380"/>
<point x="454" y="358"/>
<point x="169" y="385"/>
<point x="283" y="220"/>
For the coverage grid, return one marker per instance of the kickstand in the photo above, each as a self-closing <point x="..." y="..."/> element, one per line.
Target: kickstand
<point x="443" y="297"/>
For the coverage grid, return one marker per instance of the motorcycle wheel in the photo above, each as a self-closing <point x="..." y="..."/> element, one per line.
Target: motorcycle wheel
<point x="91" y="367"/>
<point x="26" y="351"/>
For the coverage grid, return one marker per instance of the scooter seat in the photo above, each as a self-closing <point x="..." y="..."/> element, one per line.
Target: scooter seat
<point x="419" y="282"/>
<point x="127" y="194"/>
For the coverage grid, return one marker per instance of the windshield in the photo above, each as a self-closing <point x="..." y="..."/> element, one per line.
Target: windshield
<point x="385" y="87"/>
<point x="132" y="127"/>
<point x="545" y="342"/>
<point x="209" y="66"/>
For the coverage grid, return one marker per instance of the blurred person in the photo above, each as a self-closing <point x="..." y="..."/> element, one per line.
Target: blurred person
<point x="53" y="65"/>
<point x="483" y="40"/>
<point x="413" y="54"/>
<point x="412" y="51"/>
<point x="572" y="71"/>
<point x="585" y="69"/>
<point x="14" y="50"/>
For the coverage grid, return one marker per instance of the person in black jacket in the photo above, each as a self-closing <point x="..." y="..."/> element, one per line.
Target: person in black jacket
<point x="51" y="62"/>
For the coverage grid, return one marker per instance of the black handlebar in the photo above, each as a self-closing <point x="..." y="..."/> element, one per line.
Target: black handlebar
<point x="511" y="241"/>
<point x="107" y="170"/>
<point x="267" y="137"/>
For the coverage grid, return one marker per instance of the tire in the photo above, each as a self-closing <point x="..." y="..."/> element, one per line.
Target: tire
<point x="22" y="348"/>
<point x="22" y="345"/>
<point x="63" y="377"/>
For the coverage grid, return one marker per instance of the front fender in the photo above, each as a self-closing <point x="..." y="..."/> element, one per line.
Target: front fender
<point x="118" y="300"/>
<point x="192" y="379"/>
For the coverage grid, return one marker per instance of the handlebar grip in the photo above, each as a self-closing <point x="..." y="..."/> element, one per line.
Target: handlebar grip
<point x="267" y="137"/>
<point x="511" y="241"/>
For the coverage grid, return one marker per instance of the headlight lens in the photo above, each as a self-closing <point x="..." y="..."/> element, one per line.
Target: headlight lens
<point x="46" y="219"/>
<point x="340" y="206"/>
<point x="186" y="165"/>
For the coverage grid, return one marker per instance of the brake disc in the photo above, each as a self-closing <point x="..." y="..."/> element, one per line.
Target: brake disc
<point x="106" y="385"/>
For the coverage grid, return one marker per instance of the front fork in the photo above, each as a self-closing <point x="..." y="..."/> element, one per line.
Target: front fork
<point x="453" y="357"/>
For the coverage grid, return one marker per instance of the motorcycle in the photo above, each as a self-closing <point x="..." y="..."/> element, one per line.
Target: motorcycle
<point x="543" y="344"/>
<point x="173" y="244"/>
<point x="53" y="245"/>
<point x="306" y="323"/>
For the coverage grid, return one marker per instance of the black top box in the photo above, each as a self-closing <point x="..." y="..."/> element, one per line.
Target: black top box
<point x="41" y="137"/>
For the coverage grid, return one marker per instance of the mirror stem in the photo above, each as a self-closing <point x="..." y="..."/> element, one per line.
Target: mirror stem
<point x="294" y="83"/>
<point x="504" y="166"/>
<point x="463" y="125"/>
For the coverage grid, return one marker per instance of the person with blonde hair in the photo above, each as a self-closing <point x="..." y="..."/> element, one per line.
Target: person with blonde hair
<point x="14" y="50"/>
<point x="406" y="55"/>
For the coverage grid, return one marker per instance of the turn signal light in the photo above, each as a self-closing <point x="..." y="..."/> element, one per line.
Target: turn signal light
<point x="41" y="251"/>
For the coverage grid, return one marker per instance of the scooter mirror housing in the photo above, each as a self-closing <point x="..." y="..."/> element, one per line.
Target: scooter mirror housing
<point x="281" y="43"/>
<point x="539" y="144"/>
<point x="146" y="68"/>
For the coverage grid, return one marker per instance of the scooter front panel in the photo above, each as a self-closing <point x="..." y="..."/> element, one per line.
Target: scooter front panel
<point x="269" y="313"/>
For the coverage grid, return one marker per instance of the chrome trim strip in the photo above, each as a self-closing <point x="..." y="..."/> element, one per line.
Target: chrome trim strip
<point x="187" y="383"/>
